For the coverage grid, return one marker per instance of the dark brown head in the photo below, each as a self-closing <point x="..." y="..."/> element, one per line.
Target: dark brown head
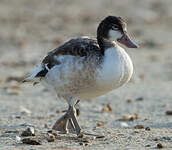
<point x="115" y="29"/>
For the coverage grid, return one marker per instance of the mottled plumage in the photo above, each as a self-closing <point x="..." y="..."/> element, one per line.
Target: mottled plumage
<point x="85" y="68"/>
<point x="81" y="47"/>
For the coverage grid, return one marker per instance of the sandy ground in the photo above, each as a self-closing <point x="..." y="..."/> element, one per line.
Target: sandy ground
<point x="31" y="28"/>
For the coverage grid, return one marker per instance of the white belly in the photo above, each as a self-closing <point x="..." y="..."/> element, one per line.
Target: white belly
<point x="72" y="79"/>
<point x="116" y="70"/>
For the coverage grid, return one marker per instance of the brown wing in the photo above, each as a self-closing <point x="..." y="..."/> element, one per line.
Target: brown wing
<point x="74" y="47"/>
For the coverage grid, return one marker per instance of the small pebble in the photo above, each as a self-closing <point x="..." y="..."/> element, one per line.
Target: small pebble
<point x="159" y="145"/>
<point x="28" y="132"/>
<point x="49" y="131"/>
<point x="155" y="139"/>
<point x="18" y="117"/>
<point x="131" y="117"/>
<point x="167" y="138"/>
<point x="168" y="112"/>
<point x="139" y="99"/>
<point x="107" y="108"/>
<point x="12" y="131"/>
<point x="31" y="141"/>
<point x="139" y="127"/>
<point x="100" y="124"/>
<point x="99" y="137"/>
<point x="147" y="129"/>
<point x="51" y="138"/>
<point x="129" y="100"/>
<point x="83" y="144"/>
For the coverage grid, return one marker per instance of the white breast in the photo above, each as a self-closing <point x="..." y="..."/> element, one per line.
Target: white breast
<point x="116" y="70"/>
<point x="73" y="78"/>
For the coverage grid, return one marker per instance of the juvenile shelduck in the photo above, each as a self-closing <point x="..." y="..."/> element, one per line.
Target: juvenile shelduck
<point x="85" y="68"/>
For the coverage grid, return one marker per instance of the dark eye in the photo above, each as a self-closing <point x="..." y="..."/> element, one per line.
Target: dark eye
<point x="115" y="27"/>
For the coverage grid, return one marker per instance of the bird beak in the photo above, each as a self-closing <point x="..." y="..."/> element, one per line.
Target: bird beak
<point x="125" y="40"/>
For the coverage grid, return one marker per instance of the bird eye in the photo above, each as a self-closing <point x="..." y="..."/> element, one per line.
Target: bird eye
<point x="115" y="27"/>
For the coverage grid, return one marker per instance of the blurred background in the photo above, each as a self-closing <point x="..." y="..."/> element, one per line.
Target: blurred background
<point x="31" y="28"/>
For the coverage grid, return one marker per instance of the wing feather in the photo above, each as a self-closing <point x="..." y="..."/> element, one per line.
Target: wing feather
<point x="74" y="47"/>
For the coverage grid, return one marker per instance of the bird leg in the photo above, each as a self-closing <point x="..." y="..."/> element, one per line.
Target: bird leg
<point x="68" y="123"/>
<point x="64" y="124"/>
<point x="72" y="114"/>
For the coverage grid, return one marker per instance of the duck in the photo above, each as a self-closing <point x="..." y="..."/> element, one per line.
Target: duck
<point x="85" y="68"/>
